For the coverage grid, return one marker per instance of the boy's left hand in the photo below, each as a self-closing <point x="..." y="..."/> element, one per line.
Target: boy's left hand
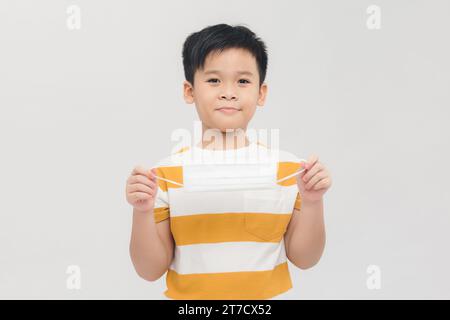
<point x="314" y="181"/>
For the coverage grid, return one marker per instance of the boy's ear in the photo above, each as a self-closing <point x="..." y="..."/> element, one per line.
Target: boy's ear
<point x="262" y="94"/>
<point x="188" y="92"/>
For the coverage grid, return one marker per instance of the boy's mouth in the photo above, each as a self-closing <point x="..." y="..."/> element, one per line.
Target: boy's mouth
<point x="228" y="110"/>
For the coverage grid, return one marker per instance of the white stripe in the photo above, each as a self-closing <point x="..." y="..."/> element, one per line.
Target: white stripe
<point x="228" y="257"/>
<point x="280" y="201"/>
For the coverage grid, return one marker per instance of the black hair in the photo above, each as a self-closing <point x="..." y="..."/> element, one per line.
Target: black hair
<point x="217" y="38"/>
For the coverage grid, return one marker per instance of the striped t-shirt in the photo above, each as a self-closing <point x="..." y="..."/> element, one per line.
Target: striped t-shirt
<point x="228" y="244"/>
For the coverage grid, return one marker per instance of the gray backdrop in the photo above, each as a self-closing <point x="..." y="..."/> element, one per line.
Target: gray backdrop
<point x="80" y="107"/>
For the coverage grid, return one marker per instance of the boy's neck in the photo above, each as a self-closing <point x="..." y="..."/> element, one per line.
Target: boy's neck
<point x="230" y="140"/>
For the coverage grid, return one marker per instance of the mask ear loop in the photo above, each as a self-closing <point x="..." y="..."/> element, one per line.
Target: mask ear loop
<point x="293" y="174"/>
<point x="167" y="180"/>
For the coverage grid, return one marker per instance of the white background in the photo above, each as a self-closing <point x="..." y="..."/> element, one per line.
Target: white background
<point x="80" y="108"/>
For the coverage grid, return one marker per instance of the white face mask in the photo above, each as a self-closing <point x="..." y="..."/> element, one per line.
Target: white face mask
<point x="231" y="177"/>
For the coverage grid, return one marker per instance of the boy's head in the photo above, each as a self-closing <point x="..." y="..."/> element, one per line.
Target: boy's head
<point x="225" y="67"/>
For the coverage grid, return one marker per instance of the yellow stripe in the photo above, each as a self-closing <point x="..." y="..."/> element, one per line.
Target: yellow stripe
<point x="229" y="285"/>
<point x="161" y="214"/>
<point x="227" y="227"/>
<point x="174" y="173"/>
<point x="285" y="169"/>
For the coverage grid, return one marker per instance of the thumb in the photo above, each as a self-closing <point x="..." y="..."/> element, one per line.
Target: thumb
<point x="152" y="173"/>
<point x="303" y="167"/>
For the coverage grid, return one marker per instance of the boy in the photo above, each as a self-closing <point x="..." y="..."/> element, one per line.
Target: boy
<point x="232" y="244"/>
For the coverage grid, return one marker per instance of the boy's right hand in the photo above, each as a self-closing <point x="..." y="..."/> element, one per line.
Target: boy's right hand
<point x="141" y="189"/>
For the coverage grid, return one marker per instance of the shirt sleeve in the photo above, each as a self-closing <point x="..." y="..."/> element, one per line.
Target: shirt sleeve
<point x="298" y="202"/>
<point x="161" y="209"/>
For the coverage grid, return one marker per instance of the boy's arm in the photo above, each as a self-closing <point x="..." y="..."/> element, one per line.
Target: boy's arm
<point x="151" y="245"/>
<point x="305" y="235"/>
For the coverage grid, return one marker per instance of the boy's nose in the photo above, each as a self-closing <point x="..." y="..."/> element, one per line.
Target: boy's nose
<point x="228" y="96"/>
<point x="229" y="92"/>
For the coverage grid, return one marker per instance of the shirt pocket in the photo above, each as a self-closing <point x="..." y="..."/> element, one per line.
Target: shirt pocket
<point x="265" y="214"/>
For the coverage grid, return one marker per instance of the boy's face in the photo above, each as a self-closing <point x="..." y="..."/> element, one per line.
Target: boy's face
<point x="221" y="85"/>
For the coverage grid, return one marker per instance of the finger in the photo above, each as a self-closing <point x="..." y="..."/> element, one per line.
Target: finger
<point x="136" y="196"/>
<point x="141" y="179"/>
<point x="302" y="168"/>
<point x="324" y="183"/>
<point x="153" y="174"/>
<point x="311" y="161"/>
<point x="313" y="171"/>
<point x="316" y="178"/>
<point x="140" y="170"/>
<point x="140" y="188"/>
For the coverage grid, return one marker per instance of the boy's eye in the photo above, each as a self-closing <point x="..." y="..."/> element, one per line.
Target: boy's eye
<point x="214" y="80"/>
